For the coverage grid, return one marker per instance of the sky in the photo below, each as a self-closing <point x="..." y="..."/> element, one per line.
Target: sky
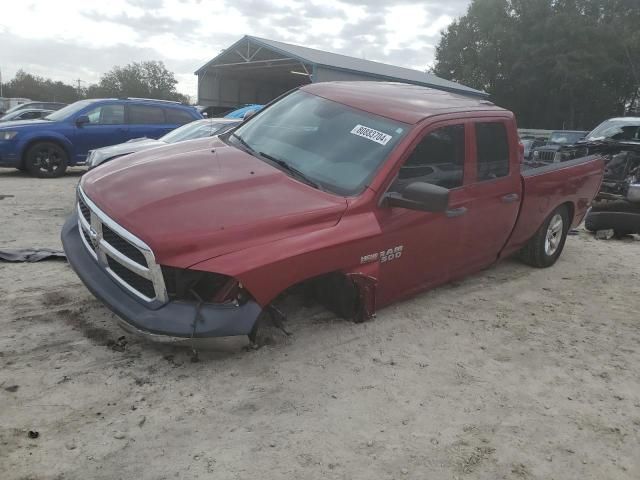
<point x="69" y="40"/>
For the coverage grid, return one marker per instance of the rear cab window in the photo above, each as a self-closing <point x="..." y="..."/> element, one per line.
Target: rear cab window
<point x="492" y="150"/>
<point x="146" y="114"/>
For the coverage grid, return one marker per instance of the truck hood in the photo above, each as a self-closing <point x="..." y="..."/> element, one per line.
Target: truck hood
<point x="554" y="147"/>
<point x="200" y="199"/>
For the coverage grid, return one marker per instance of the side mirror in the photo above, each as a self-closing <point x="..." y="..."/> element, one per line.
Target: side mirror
<point x="420" y="196"/>
<point x="82" y="120"/>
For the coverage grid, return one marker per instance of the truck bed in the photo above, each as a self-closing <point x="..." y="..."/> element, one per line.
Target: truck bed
<point x="544" y="188"/>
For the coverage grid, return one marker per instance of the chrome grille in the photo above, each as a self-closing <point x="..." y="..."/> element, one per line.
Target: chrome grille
<point x="546" y="155"/>
<point x="125" y="257"/>
<point x="84" y="210"/>
<point x="124" y="247"/>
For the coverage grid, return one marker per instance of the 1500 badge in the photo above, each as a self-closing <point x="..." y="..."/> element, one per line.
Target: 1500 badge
<point x="383" y="256"/>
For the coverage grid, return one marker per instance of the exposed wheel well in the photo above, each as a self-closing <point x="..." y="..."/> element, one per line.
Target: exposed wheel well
<point x="31" y="143"/>
<point x="570" y="210"/>
<point x="346" y="295"/>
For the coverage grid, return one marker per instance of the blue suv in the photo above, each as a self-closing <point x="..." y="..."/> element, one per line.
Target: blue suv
<point x="45" y="148"/>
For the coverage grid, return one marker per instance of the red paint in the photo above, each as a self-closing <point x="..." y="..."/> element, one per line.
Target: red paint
<point x="225" y="211"/>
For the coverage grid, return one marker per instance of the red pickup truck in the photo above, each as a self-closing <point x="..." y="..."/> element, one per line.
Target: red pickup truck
<point x="362" y="193"/>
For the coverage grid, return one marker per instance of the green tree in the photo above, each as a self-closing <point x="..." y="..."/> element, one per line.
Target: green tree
<point x="555" y="63"/>
<point x="149" y="79"/>
<point x="38" y="88"/>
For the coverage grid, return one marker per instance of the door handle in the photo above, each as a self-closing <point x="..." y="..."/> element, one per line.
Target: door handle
<point x="456" y="212"/>
<point x="510" y="198"/>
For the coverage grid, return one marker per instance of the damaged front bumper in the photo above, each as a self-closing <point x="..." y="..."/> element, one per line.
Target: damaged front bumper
<point x="174" y="319"/>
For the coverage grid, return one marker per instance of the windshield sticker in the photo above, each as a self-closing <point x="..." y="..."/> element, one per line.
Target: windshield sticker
<point x="371" y="134"/>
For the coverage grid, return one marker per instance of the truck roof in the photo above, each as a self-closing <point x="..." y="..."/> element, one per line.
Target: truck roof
<point x="398" y="101"/>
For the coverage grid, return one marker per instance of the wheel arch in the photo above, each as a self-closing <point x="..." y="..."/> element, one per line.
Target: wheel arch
<point x="58" y="140"/>
<point x="571" y="209"/>
<point x="349" y="293"/>
<point x="269" y="282"/>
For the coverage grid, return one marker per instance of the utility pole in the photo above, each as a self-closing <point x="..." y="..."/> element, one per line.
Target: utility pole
<point x="79" y="87"/>
<point x="0" y="82"/>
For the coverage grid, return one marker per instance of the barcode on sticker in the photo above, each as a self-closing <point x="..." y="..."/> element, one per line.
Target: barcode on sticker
<point x="371" y="134"/>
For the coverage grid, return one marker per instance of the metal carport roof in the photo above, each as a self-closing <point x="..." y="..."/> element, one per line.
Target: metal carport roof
<point x="272" y="65"/>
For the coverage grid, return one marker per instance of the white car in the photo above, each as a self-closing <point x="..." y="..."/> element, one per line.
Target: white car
<point x="190" y="131"/>
<point x="25" y="114"/>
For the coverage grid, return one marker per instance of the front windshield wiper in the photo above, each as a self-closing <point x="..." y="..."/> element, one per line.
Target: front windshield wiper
<point x="291" y="169"/>
<point x="244" y="144"/>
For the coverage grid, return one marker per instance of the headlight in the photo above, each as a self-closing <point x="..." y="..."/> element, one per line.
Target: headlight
<point x="7" y="135"/>
<point x="536" y="154"/>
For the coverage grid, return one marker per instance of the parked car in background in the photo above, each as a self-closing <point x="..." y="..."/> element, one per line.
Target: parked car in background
<point x="195" y="129"/>
<point x="8" y="103"/>
<point x="621" y="128"/>
<point x="46" y="147"/>
<point x="242" y="111"/>
<point x="611" y="136"/>
<point x="530" y="144"/>
<point x="235" y="112"/>
<point x="332" y="189"/>
<point x="37" y="105"/>
<point x="25" y="114"/>
<point x="617" y="205"/>
<point x="557" y="139"/>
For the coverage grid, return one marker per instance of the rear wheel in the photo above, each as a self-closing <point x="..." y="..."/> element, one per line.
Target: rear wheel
<point x="46" y="160"/>
<point x="546" y="245"/>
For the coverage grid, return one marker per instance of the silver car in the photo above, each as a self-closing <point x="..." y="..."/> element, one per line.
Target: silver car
<point x="25" y="114"/>
<point x="190" y="131"/>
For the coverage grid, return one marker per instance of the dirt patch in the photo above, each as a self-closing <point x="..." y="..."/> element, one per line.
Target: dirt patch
<point x="78" y="320"/>
<point x="54" y="299"/>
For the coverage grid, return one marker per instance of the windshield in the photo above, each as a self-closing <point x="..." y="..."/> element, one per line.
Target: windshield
<point x="565" y="138"/>
<point x="20" y="106"/>
<point x="197" y="129"/>
<point x="11" y="115"/>
<point x="65" y="112"/>
<point x="620" y="129"/>
<point x="335" y="146"/>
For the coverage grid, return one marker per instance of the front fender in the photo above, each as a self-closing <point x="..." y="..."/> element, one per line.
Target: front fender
<point x="268" y="270"/>
<point x="30" y="138"/>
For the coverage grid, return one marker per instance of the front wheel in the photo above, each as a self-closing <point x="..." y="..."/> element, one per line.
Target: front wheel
<point x="546" y="245"/>
<point x="46" y="160"/>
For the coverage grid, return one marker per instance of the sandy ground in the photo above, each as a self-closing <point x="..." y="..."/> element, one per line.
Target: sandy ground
<point x="514" y="373"/>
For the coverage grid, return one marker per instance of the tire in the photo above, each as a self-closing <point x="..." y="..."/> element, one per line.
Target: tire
<point x="547" y="244"/>
<point x="46" y="160"/>
<point x="590" y="224"/>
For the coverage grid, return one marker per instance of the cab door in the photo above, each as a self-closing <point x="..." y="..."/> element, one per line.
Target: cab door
<point x="417" y="249"/>
<point x="106" y="126"/>
<point x="494" y="190"/>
